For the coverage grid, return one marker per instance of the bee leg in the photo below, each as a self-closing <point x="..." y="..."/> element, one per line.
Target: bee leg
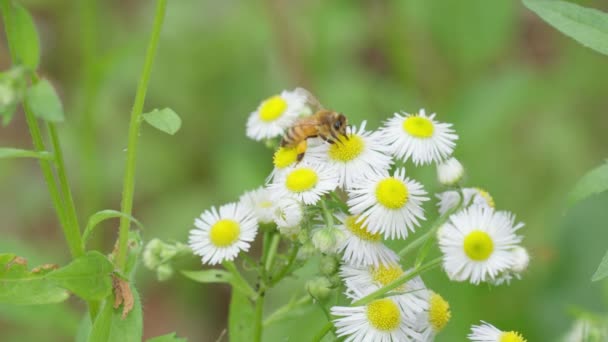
<point x="326" y="139"/>
<point x="301" y="149"/>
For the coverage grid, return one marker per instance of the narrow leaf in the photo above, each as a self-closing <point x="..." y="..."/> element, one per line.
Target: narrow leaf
<point x="602" y="269"/>
<point x="241" y="316"/>
<point x="20" y="286"/>
<point x="164" y="119"/>
<point x="88" y="276"/>
<point x="8" y="152"/>
<point x="43" y="100"/>
<point x="594" y="182"/>
<point x="103" y="215"/>
<point x="209" y="276"/>
<point x="171" y="337"/>
<point x="585" y="25"/>
<point x="109" y="325"/>
<point x="26" y="41"/>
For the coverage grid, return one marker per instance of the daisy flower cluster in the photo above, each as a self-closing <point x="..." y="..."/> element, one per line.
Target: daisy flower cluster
<point x="343" y="199"/>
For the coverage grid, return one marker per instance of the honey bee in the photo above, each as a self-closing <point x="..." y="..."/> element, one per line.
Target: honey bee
<point x="326" y="124"/>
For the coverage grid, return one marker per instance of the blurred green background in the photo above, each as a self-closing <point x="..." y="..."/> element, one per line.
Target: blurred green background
<point x="529" y="105"/>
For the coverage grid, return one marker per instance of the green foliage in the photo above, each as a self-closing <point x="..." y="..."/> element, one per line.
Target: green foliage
<point x="88" y="276"/>
<point x="8" y="152"/>
<point x="240" y="321"/>
<point x="594" y="182"/>
<point x="165" y="120"/>
<point x="585" y="25"/>
<point x="12" y="89"/>
<point x="171" y="337"/>
<point x="101" y="216"/>
<point x="109" y="325"/>
<point x="42" y="99"/>
<point x="18" y="285"/>
<point x="602" y="269"/>
<point x="24" y="37"/>
<point x="210" y="276"/>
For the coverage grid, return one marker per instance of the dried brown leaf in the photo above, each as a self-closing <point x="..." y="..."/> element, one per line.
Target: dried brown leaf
<point x="122" y="295"/>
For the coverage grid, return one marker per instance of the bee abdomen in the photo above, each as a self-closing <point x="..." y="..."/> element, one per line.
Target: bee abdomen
<point x="291" y="136"/>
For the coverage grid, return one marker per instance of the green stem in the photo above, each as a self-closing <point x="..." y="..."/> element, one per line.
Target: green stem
<point x="259" y="313"/>
<point x="287" y="268"/>
<point x="326" y="328"/>
<point x="272" y="252"/>
<point x="327" y="214"/>
<point x="241" y="282"/>
<point x="285" y="309"/>
<point x="138" y="105"/>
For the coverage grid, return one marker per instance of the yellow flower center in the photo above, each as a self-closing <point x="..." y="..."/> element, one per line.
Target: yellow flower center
<point x="486" y="196"/>
<point x="383" y="314"/>
<point x="265" y="204"/>
<point x="359" y="230"/>
<point x="511" y="336"/>
<point x="391" y="193"/>
<point x="439" y="312"/>
<point x="478" y="245"/>
<point x="418" y="126"/>
<point x="300" y="180"/>
<point x="272" y="108"/>
<point x="346" y="149"/>
<point x="386" y="274"/>
<point x="224" y="233"/>
<point x="284" y="157"/>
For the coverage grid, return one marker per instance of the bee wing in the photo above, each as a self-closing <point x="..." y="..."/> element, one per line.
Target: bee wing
<point x="311" y="100"/>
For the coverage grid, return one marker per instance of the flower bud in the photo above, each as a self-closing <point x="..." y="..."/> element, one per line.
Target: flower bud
<point x="164" y="272"/>
<point x="319" y="288"/>
<point x="152" y="254"/>
<point x="327" y="239"/>
<point x="306" y="251"/>
<point x="450" y="172"/>
<point x="328" y="265"/>
<point x="522" y="259"/>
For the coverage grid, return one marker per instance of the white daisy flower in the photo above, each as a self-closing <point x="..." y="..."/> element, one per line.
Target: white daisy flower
<point x="260" y="202"/>
<point x="488" y="333"/>
<point x="477" y="244"/>
<point x="363" y="280"/>
<point x="434" y="317"/>
<point x="358" y="153"/>
<point x="472" y="196"/>
<point x="275" y="114"/>
<point x="306" y="182"/>
<point x="390" y="205"/>
<point x="521" y="259"/>
<point x="286" y="157"/>
<point x="221" y="235"/>
<point x="419" y="137"/>
<point x="360" y="247"/>
<point x="287" y="212"/>
<point x="382" y="320"/>
<point x="450" y="172"/>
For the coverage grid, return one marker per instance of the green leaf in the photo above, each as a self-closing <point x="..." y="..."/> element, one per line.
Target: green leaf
<point x="84" y="328"/>
<point x="88" y="276"/>
<point x="602" y="269"/>
<point x="109" y="325"/>
<point x="164" y="119"/>
<point x="594" y="182"/>
<point x="103" y="215"/>
<point x="585" y="25"/>
<point x="209" y="276"/>
<point x="171" y="337"/>
<point x="8" y="152"/>
<point x="241" y="317"/>
<point x="26" y="41"/>
<point x="20" y="286"/>
<point x="42" y="99"/>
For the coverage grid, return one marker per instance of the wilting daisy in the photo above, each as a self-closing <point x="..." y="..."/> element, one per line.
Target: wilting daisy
<point x="450" y="172"/>
<point x="477" y="244"/>
<point x="381" y="320"/>
<point x="259" y="201"/>
<point x="419" y="137"/>
<point x="360" y="153"/>
<point x="472" y="196"/>
<point x="489" y="333"/>
<point x="221" y="235"/>
<point x="275" y="114"/>
<point x="390" y="205"/>
<point x="287" y="212"/>
<point x="360" y="247"/>
<point x="306" y="182"/>
<point x="434" y="317"/>
<point x="363" y="280"/>
<point x="521" y="259"/>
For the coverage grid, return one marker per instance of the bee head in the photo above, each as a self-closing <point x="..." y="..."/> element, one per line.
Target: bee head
<point x="340" y="124"/>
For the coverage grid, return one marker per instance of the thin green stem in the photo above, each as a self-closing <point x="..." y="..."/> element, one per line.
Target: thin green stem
<point x="259" y="314"/>
<point x="272" y="252"/>
<point x="281" y="312"/>
<point x="326" y="328"/>
<point x="287" y="268"/>
<point x="138" y="106"/>
<point x="241" y="282"/>
<point x="327" y="214"/>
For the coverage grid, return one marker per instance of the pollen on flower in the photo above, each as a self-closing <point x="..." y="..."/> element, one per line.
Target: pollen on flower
<point x="346" y="149"/>
<point x="284" y="157"/>
<point x="511" y="336"/>
<point x="359" y="230"/>
<point x="418" y="126"/>
<point x="383" y="314"/>
<point x="386" y="274"/>
<point x="439" y="312"/>
<point x="486" y="196"/>
<point x="301" y="180"/>
<point x="392" y="193"/>
<point x="224" y="233"/>
<point x="478" y="245"/>
<point x="272" y="108"/>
